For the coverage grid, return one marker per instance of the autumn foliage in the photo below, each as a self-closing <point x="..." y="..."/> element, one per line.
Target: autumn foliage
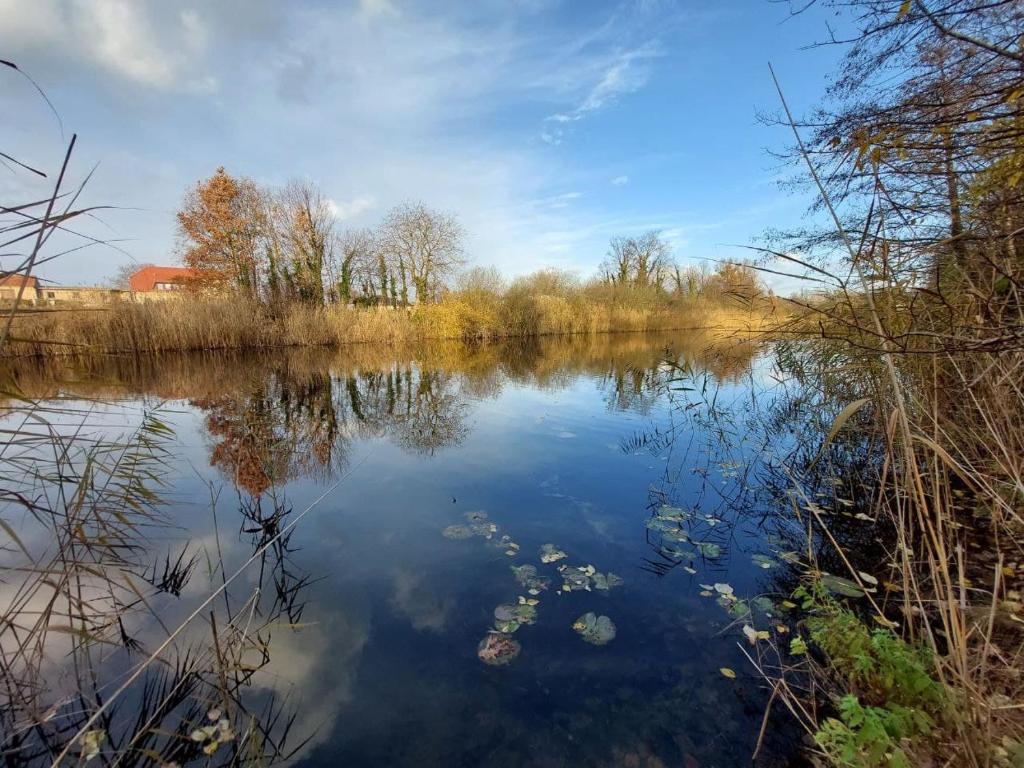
<point x="220" y="229"/>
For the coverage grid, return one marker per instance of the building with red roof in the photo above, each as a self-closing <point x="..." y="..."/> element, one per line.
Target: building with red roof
<point x="11" y="284"/>
<point x="160" y="279"/>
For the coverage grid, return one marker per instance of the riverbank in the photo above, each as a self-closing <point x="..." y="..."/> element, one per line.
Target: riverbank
<point x="196" y="323"/>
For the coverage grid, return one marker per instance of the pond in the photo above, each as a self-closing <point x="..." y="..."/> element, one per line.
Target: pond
<point x="464" y="520"/>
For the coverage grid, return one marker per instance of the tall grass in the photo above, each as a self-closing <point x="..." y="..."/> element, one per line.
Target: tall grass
<point x="197" y="323"/>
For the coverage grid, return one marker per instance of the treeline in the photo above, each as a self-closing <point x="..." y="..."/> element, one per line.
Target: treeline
<point x="283" y="245"/>
<point x="277" y="245"/>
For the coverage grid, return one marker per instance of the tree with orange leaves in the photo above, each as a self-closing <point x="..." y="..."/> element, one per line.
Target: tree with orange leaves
<point x="221" y="227"/>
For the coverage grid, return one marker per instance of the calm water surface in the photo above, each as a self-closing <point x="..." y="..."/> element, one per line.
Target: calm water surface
<point x="575" y="443"/>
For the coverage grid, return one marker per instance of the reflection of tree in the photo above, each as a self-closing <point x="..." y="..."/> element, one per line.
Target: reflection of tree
<point x="299" y="425"/>
<point x="283" y="427"/>
<point x="434" y="414"/>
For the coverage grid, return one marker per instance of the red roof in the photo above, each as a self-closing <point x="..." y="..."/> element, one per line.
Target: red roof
<point x="15" y="281"/>
<point x="147" y="277"/>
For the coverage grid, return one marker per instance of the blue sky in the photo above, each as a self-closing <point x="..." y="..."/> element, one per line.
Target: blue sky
<point x="547" y="126"/>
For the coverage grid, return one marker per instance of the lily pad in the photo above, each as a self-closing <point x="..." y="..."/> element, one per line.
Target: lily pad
<point x="521" y="613"/>
<point x="483" y="528"/>
<point x="738" y="609"/>
<point x="527" y="577"/>
<point x="549" y="553"/>
<point x="676" y="535"/>
<point x="606" y="581"/>
<point x="594" y="629"/>
<point x="498" y="649"/>
<point x="457" y="532"/>
<point x="506" y="626"/>
<point x="763" y="561"/>
<point x="676" y="514"/>
<point x="753" y="635"/>
<point x="763" y="604"/>
<point x="840" y="586"/>
<point x="709" y="549"/>
<point x="678" y="553"/>
<point x="575" y="578"/>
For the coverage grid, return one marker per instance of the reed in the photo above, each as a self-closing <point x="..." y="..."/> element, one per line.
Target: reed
<point x="205" y="323"/>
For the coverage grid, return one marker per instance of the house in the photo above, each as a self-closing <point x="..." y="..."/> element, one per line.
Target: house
<point x="80" y="295"/>
<point x="11" y="284"/>
<point x="150" y="279"/>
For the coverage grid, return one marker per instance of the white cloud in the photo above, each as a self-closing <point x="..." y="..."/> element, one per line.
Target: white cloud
<point x="149" y="44"/>
<point x="626" y="73"/>
<point x="620" y="181"/>
<point x="350" y="209"/>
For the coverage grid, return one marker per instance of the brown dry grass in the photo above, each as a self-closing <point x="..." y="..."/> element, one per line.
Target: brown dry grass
<point x="209" y="324"/>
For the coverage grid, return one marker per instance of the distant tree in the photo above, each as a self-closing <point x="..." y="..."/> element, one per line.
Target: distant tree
<point x="354" y="250"/>
<point x="124" y="272"/>
<point x="220" y="227"/>
<point x="652" y="258"/>
<point x="310" y="238"/>
<point x="427" y="242"/>
<point x="639" y="261"/>
<point x="620" y="263"/>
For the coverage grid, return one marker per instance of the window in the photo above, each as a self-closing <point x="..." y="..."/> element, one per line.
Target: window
<point x="51" y="295"/>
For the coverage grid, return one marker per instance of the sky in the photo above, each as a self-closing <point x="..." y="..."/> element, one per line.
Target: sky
<point x="546" y="126"/>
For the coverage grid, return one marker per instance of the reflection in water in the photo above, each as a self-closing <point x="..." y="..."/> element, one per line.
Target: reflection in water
<point x="370" y="619"/>
<point x="294" y="415"/>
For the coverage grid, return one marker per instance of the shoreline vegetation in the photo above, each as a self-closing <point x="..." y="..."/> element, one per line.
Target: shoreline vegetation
<point x="561" y="307"/>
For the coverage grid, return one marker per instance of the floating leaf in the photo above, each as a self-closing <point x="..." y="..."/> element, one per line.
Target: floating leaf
<point x="763" y="561"/>
<point x="673" y="514"/>
<point x="606" y="581"/>
<point x="840" y="586"/>
<point x="723" y="589"/>
<point x="867" y="578"/>
<point x="709" y="549"/>
<point x="507" y="626"/>
<point x="763" y="604"/>
<point x="549" y="553"/>
<point x="485" y="529"/>
<point x="91" y="741"/>
<point x="737" y="608"/>
<point x="498" y="649"/>
<point x="726" y="672"/>
<point x="594" y="629"/>
<point x="689" y="570"/>
<point x="527" y="577"/>
<point x="753" y="635"/>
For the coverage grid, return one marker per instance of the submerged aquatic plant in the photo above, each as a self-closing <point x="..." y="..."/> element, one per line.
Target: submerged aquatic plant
<point x="594" y="629"/>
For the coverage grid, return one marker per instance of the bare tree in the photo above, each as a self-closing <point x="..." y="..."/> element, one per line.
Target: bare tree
<point x="620" y="262"/>
<point x="640" y="261"/>
<point x="124" y="273"/>
<point x="426" y="242"/>
<point x="351" y="263"/>
<point x="651" y="258"/>
<point x="310" y="239"/>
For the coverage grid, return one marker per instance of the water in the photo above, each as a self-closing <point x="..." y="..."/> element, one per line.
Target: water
<point x="573" y="442"/>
